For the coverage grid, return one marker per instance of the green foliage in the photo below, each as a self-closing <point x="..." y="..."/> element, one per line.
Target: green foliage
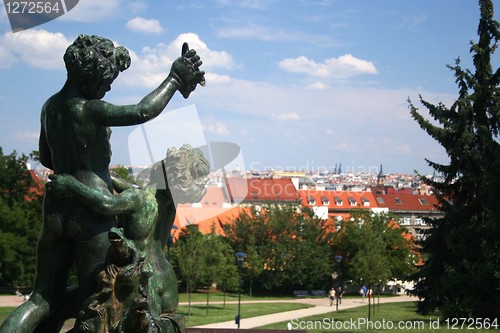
<point x="373" y="248"/>
<point x="202" y="260"/>
<point x="460" y="275"/>
<point x="123" y="173"/>
<point x="286" y="249"/>
<point x="20" y="221"/>
<point x="187" y="255"/>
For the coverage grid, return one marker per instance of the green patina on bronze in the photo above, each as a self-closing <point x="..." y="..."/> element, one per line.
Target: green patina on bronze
<point x="128" y="286"/>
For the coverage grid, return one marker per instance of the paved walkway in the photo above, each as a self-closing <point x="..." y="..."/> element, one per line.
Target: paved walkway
<point x="11" y="301"/>
<point x="321" y="306"/>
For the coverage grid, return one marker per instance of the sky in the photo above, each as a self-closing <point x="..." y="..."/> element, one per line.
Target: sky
<point x="296" y="84"/>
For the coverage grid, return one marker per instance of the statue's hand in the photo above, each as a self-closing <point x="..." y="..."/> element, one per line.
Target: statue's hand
<point x="59" y="185"/>
<point x="186" y="70"/>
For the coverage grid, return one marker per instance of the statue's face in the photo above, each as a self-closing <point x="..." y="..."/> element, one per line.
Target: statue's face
<point x="96" y="90"/>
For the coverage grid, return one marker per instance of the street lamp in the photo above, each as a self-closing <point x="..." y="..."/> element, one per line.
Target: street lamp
<point x="240" y="256"/>
<point x="338" y="259"/>
<point x="170" y="240"/>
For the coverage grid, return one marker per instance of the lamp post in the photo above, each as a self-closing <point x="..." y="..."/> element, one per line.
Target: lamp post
<point x="338" y="259"/>
<point x="170" y="240"/>
<point x="240" y="256"/>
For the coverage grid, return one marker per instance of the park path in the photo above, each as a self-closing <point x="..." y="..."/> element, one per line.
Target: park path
<point x="321" y="306"/>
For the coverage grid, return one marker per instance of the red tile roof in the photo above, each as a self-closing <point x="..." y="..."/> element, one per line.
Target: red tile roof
<point x="206" y="217"/>
<point x="215" y="197"/>
<point x="262" y="189"/>
<point x="407" y="202"/>
<point x="338" y="200"/>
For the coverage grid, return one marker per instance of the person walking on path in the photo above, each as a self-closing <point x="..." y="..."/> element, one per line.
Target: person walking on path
<point x="331" y="296"/>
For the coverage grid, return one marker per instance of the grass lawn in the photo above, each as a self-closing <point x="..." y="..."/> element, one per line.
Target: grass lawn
<point x="230" y="297"/>
<point x="395" y="317"/>
<point x="4" y="312"/>
<point x="216" y="312"/>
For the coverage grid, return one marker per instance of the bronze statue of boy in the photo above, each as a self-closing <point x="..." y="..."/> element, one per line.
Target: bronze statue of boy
<point x="74" y="140"/>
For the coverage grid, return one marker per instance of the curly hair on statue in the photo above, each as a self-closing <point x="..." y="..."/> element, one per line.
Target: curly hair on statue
<point x="186" y="172"/>
<point x="93" y="58"/>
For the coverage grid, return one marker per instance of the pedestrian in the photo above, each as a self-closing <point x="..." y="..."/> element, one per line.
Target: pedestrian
<point x="340" y="293"/>
<point x="363" y="292"/>
<point x="331" y="296"/>
<point x="370" y="293"/>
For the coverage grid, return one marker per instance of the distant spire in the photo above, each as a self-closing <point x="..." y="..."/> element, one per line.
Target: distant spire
<point x="381" y="172"/>
<point x="381" y="177"/>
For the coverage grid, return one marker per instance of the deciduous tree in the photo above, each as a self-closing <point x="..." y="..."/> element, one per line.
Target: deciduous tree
<point x="20" y="221"/>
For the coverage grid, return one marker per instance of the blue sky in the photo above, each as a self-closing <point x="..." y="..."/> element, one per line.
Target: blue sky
<point x="295" y="83"/>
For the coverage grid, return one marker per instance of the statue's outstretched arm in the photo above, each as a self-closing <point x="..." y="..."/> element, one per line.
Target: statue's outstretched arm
<point x="100" y="201"/>
<point x="184" y="76"/>
<point x="120" y="184"/>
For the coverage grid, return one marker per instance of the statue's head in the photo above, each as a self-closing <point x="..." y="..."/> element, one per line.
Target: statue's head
<point x="93" y="63"/>
<point x="186" y="172"/>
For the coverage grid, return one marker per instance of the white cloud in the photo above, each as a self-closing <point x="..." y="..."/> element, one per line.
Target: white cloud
<point x="3" y="13"/>
<point x="344" y="66"/>
<point x="28" y="136"/>
<point x="351" y="115"/>
<point x="140" y="24"/>
<point x="213" y="78"/>
<point x="317" y="86"/>
<point x="344" y="147"/>
<point x="6" y="57"/>
<point x="137" y="6"/>
<point x="250" y="4"/>
<point x="216" y="127"/>
<point x="38" y="48"/>
<point x="413" y="22"/>
<point x="235" y="30"/>
<point x="93" y="10"/>
<point x="151" y="66"/>
<point x="287" y="116"/>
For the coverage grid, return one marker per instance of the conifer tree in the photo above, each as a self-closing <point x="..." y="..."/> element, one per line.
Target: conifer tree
<point x="461" y="275"/>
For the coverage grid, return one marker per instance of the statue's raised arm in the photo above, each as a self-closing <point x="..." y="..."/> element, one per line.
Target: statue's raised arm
<point x="184" y="76"/>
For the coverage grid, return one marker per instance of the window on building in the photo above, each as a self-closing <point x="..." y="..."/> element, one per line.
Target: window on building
<point x="419" y="221"/>
<point x="380" y="200"/>
<point x="423" y="201"/>
<point x="311" y="200"/>
<point x="398" y="201"/>
<point x="352" y="201"/>
<point x="365" y="202"/>
<point x="325" y="201"/>
<point x="338" y="201"/>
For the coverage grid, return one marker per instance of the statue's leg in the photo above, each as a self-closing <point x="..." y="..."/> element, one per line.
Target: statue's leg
<point x="89" y="254"/>
<point x="65" y="311"/>
<point x="53" y="261"/>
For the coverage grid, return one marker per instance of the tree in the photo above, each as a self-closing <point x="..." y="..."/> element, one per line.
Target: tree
<point x="20" y="220"/>
<point x="374" y="249"/>
<point x="187" y="258"/>
<point x="219" y="264"/>
<point x="123" y="173"/>
<point x="461" y="275"/>
<point x="287" y="248"/>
